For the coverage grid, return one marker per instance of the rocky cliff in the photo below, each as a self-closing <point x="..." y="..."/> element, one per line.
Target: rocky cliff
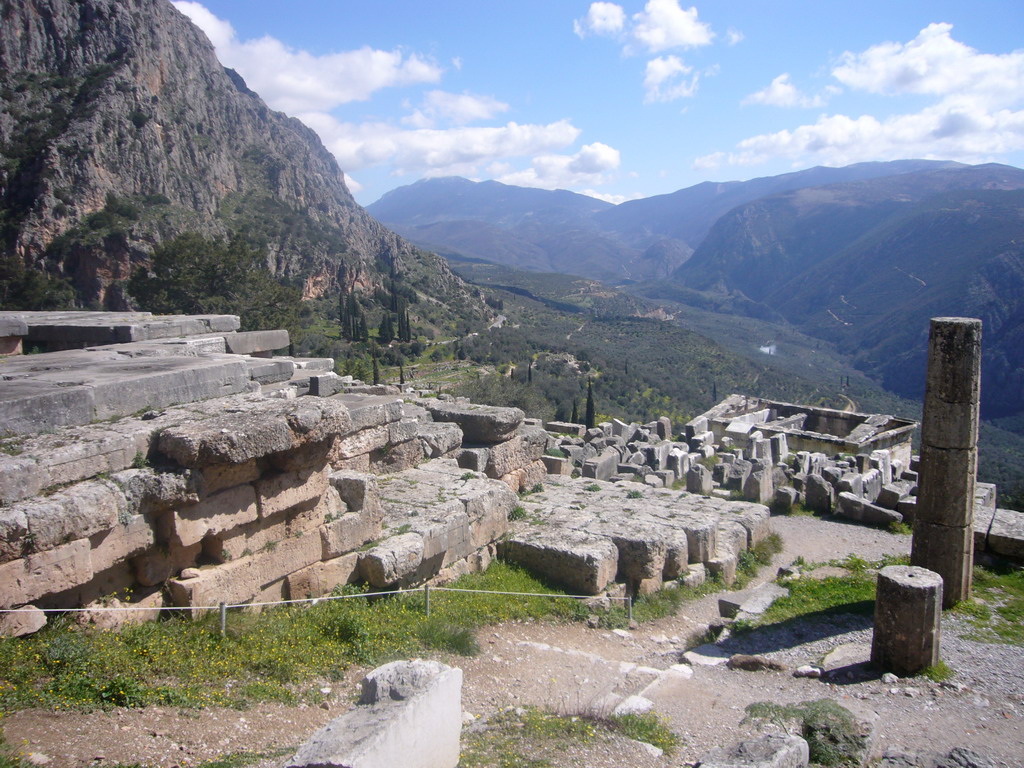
<point x="119" y="129"/>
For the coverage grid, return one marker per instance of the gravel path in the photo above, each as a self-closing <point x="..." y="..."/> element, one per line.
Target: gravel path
<point x="572" y="668"/>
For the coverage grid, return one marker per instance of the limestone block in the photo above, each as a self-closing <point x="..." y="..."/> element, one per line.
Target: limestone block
<point x="215" y="514"/>
<point x="755" y="519"/>
<point x="361" y="442"/>
<point x="667" y="477"/>
<point x="28" y="620"/>
<point x="566" y="428"/>
<point x="1006" y="534"/>
<point x="861" y="510"/>
<point x="74" y="513"/>
<point x="439" y="438"/>
<point x="527" y="477"/>
<point x="371" y="410"/>
<point x="695" y="426"/>
<point x="126" y="539"/>
<point x="951" y="549"/>
<point x="602" y="466"/>
<point x="944" y="497"/>
<point x="393" y="560"/>
<point x="882" y="461"/>
<point x="583" y="563"/>
<point x="243" y="541"/>
<point x="43" y="573"/>
<point x="771" y="751"/>
<point x="320" y="579"/>
<point x="21" y="477"/>
<point x="147" y="491"/>
<point x="819" y="496"/>
<point x="759" y="487"/>
<point x="14" y="540"/>
<point x="251" y="342"/>
<point x="217" y="477"/>
<point x="851" y="482"/>
<point x="410" y="714"/>
<point x="557" y="465"/>
<point x="269" y="370"/>
<point x="516" y="453"/>
<point x="154" y="566"/>
<point x="479" y="423"/>
<point x="641" y="555"/>
<point x="872" y="484"/>
<point x="396" y="458"/>
<point x="891" y="494"/>
<point x="908" y="508"/>
<point x="359" y="491"/>
<point x="349" y="532"/>
<point x="247" y="578"/>
<point x="474" y="459"/>
<point x="280" y="491"/>
<point x="264" y="428"/>
<point x="357" y="464"/>
<point x="908" y="613"/>
<point x="698" y="480"/>
<point x="104" y="615"/>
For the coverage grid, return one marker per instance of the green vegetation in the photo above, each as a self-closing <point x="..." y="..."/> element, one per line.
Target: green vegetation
<point x="996" y="608"/>
<point x="532" y="738"/>
<point x="831" y="732"/>
<point x="194" y="275"/>
<point x="275" y="655"/>
<point x="938" y="672"/>
<point x="751" y="560"/>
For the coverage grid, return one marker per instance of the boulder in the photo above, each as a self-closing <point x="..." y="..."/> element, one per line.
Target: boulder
<point x="479" y="423"/>
<point x="583" y="563"/>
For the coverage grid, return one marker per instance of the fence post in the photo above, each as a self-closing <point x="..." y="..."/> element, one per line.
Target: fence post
<point x="629" y="607"/>
<point x="223" y="617"/>
<point x="426" y="597"/>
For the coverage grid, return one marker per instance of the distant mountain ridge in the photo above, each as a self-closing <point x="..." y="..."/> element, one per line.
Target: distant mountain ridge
<point x="119" y="129"/>
<point x="566" y="232"/>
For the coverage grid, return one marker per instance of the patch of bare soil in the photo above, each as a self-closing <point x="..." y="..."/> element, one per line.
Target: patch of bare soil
<point x="575" y="669"/>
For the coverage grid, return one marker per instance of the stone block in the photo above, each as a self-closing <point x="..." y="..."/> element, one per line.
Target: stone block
<point x="410" y="714"/>
<point x="439" y="438"/>
<point x="217" y="477"/>
<point x="771" y="751"/>
<point x="44" y="573"/>
<point x="479" y="423"/>
<point x="863" y="511"/>
<point x="474" y="459"/>
<point x="76" y="512"/>
<point x="269" y="370"/>
<point x="359" y="491"/>
<point x="21" y="477"/>
<point x="851" y="482"/>
<point x="252" y="342"/>
<point x="248" y="578"/>
<point x="566" y="428"/>
<point x="320" y="579"/>
<point x="396" y="458"/>
<point x="819" y="496"/>
<point x="527" y="477"/>
<point x="127" y="538"/>
<point x="215" y="514"/>
<point x="584" y="564"/>
<point x="27" y="621"/>
<point x="557" y="465"/>
<point x="349" y="532"/>
<point x="516" y="453"/>
<point x="908" y="508"/>
<point x="759" y="487"/>
<point x="698" y="480"/>
<point x="325" y="384"/>
<point x="393" y="561"/>
<point x="1006" y="534"/>
<point x="277" y="492"/>
<point x="602" y="466"/>
<point x="361" y="442"/>
<point x="951" y="549"/>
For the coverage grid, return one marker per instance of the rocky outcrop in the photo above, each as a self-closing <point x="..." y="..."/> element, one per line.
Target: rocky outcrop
<point x="121" y="129"/>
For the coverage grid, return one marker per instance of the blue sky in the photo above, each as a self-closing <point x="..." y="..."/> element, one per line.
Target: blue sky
<point x="630" y="99"/>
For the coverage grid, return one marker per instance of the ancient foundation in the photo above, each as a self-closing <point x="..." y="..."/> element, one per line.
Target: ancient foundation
<point x="908" y="611"/>
<point x="943" y="526"/>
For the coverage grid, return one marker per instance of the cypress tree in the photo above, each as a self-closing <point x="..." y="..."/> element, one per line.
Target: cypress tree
<point x="376" y="365"/>
<point x="529" y="373"/>
<point x="575" y="413"/>
<point x="401" y="373"/>
<point x="591" y="416"/>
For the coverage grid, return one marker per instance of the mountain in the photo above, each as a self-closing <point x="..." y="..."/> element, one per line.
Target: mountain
<point x="575" y="234"/>
<point x="119" y="129"/>
<point x="866" y="264"/>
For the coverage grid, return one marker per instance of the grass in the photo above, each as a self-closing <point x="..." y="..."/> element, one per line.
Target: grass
<point x="831" y="732"/>
<point x="277" y="655"/>
<point x="996" y="609"/>
<point x="753" y="559"/>
<point x="938" y="672"/>
<point x="533" y="737"/>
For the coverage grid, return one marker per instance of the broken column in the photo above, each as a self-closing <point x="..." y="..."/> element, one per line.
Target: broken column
<point x="943" y="527"/>
<point x="908" y="611"/>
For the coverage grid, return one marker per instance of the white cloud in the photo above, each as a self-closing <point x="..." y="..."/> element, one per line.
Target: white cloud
<point x="663" y="24"/>
<point x="455" y="108"/>
<point x="353" y="186"/>
<point x="608" y="198"/>
<point x="975" y="114"/>
<point x="601" y="19"/>
<point x="588" y="167"/>
<point x="667" y="78"/>
<point x="297" y="81"/>
<point x="733" y="36"/>
<point x="435" y="152"/>
<point x="782" y="93"/>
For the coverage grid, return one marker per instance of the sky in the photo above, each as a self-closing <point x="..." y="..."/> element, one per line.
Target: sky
<point x="621" y="100"/>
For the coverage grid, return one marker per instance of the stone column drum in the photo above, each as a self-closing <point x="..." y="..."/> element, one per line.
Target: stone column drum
<point x="943" y="527"/>
<point x="908" y="611"/>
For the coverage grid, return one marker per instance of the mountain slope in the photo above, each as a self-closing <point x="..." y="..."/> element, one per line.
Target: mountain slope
<point x="119" y="129"/>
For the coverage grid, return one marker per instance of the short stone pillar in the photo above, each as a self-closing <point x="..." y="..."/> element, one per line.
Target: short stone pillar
<point x="908" y="611"/>
<point x="943" y="526"/>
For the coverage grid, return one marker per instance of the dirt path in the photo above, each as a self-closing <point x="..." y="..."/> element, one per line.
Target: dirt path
<point x="572" y="668"/>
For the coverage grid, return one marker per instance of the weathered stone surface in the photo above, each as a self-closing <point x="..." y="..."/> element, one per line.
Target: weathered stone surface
<point x="819" y="495"/>
<point x="266" y="427"/>
<point x="698" y="480"/>
<point x="1005" y="535"/>
<point x="320" y="579"/>
<point x="758" y="486"/>
<point x="439" y="438"/>
<point x="908" y="612"/>
<point x="410" y="714"/>
<point x="566" y="428"/>
<point x="583" y="563"/>
<point x="602" y="466"/>
<point x="772" y="751"/>
<point x="517" y="452"/>
<point x="861" y="510"/>
<point x="215" y="514"/>
<point x="479" y="423"/>
<point x="359" y="491"/>
<point x="280" y="491"/>
<point x="393" y="561"/>
<point x="43" y="573"/>
<point x="251" y="342"/>
<point x="28" y="620"/>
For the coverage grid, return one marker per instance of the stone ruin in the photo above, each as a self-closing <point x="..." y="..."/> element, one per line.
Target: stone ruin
<point x="154" y="462"/>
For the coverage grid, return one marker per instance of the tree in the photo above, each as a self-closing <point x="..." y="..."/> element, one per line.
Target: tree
<point x="194" y="275"/>
<point x="386" y="329"/>
<point x="575" y="418"/>
<point x="30" y="289"/>
<point x="376" y="365"/>
<point x="591" y="416"/>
